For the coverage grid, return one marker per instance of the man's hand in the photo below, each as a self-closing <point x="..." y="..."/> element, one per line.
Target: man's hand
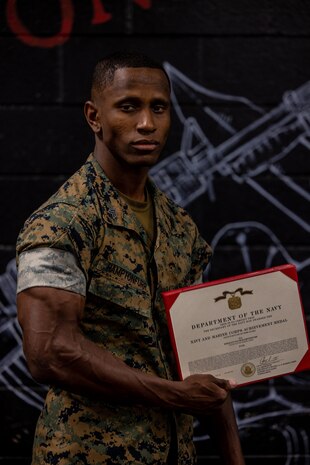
<point x="203" y="394"/>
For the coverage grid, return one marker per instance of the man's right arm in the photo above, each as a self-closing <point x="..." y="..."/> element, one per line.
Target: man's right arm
<point x="59" y="354"/>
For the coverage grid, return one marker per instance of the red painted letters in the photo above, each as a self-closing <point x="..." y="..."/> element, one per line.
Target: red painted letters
<point x="21" y="31"/>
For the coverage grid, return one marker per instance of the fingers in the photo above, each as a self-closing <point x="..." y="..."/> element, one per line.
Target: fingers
<point x="205" y="393"/>
<point x="222" y="383"/>
<point x="233" y="383"/>
<point x="226" y="384"/>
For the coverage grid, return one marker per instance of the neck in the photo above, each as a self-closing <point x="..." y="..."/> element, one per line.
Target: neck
<point x="130" y="180"/>
<point x="133" y="188"/>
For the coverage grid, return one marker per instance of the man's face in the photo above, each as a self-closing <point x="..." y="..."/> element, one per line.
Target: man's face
<point x="134" y="115"/>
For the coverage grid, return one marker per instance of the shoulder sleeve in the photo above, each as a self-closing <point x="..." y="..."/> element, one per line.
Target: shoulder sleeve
<point x="60" y="226"/>
<point x="50" y="267"/>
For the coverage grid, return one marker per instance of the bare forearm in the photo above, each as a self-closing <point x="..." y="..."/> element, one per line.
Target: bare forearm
<point x="58" y="353"/>
<point x="82" y="367"/>
<point x="224" y="431"/>
<point x="85" y="368"/>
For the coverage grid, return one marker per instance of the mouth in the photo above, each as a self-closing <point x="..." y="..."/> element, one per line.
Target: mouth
<point x="145" y="145"/>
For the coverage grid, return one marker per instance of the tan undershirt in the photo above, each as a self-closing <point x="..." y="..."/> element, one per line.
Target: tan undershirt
<point x="144" y="213"/>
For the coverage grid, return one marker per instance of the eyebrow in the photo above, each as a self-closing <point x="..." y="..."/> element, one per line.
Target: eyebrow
<point x="136" y="99"/>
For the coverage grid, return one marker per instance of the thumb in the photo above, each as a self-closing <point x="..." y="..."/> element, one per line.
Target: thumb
<point x="233" y="383"/>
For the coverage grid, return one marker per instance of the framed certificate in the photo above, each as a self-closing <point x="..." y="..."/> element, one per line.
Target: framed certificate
<point x="248" y="328"/>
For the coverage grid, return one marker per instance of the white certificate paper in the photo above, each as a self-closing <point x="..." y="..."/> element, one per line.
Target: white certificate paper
<point x="248" y="328"/>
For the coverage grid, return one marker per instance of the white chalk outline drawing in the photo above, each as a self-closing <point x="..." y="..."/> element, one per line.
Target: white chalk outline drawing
<point x="244" y="154"/>
<point x="283" y="411"/>
<point x="241" y="154"/>
<point x="14" y="374"/>
<point x="274" y="246"/>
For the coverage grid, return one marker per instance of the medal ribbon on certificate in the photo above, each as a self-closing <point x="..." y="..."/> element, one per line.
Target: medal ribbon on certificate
<point x="234" y="301"/>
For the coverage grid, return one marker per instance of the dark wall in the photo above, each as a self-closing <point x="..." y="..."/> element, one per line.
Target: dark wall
<point x="237" y="159"/>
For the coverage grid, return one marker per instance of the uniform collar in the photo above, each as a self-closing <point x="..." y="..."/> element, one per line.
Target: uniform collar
<point x="115" y="209"/>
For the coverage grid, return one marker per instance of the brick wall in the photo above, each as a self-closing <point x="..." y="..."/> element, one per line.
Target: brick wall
<point x="237" y="159"/>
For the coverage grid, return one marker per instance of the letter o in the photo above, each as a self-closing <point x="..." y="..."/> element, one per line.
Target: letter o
<point x="23" y="34"/>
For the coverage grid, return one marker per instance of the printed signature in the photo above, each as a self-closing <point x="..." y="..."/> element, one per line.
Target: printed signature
<point x="269" y="360"/>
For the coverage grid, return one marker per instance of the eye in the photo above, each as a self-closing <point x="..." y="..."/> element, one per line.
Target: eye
<point x="159" y="108"/>
<point x="127" y="107"/>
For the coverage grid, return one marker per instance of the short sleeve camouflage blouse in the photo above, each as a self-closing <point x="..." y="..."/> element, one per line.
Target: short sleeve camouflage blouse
<point x="124" y="314"/>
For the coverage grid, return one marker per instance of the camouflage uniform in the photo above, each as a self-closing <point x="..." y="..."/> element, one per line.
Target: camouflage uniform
<point x="124" y="314"/>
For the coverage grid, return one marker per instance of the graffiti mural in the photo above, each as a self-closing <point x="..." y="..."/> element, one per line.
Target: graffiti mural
<point x="14" y="374"/>
<point x="241" y="154"/>
<point x="66" y="11"/>
<point x="215" y="145"/>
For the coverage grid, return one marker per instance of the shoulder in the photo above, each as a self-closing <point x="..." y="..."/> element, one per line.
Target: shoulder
<point x="176" y="215"/>
<point x="71" y="210"/>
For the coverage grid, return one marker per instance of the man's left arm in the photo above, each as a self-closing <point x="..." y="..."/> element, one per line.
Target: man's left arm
<point x="224" y="431"/>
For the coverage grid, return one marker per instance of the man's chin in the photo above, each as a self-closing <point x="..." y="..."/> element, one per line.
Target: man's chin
<point x="144" y="160"/>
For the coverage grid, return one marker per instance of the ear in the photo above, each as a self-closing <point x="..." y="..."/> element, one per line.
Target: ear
<point x="92" y="116"/>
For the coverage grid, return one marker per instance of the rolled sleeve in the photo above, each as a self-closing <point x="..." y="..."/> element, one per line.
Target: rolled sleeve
<point x="50" y="267"/>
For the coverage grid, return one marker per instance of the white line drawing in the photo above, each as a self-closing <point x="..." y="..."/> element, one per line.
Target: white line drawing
<point x="14" y="374"/>
<point x="241" y="231"/>
<point x="241" y="154"/>
<point x="272" y="412"/>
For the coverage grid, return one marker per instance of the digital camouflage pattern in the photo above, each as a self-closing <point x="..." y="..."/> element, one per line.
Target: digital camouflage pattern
<point x="124" y="314"/>
<point x="46" y="266"/>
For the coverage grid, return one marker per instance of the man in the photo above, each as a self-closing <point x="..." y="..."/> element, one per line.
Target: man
<point x="93" y="261"/>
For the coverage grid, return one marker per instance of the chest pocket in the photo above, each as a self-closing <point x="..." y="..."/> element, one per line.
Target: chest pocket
<point x="125" y="287"/>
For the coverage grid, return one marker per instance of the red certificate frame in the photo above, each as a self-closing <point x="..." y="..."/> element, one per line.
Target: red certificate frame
<point x="249" y="327"/>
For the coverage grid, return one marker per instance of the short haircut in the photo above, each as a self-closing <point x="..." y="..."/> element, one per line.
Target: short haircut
<point x="103" y="74"/>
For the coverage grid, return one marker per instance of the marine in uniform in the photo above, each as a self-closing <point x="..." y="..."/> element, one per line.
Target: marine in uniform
<point x="93" y="261"/>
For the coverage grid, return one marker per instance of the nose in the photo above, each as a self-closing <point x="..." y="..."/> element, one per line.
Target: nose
<point x="146" y="122"/>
